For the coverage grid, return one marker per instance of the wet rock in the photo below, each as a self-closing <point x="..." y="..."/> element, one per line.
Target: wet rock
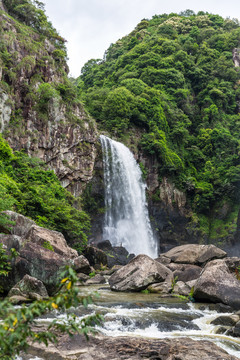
<point x="104" y="245"/>
<point x="235" y="331"/>
<point x="81" y="265"/>
<point x="221" y="308"/>
<point x="217" y="284"/>
<point x="119" y="256"/>
<point x="185" y="272"/>
<point x="138" y="274"/>
<point x="194" y="254"/>
<point x="230" y="320"/>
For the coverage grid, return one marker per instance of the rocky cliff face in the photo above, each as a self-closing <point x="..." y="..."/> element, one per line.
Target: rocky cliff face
<point x="168" y="209"/>
<point x="38" y="109"/>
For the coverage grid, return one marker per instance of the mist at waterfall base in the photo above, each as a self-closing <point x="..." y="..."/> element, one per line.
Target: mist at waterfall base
<point x="126" y="220"/>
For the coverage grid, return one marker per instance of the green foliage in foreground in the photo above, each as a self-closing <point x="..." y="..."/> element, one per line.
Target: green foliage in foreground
<point x="173" y="80"/>
<point x="27" y="187"/>
<point x="16" y="327"/>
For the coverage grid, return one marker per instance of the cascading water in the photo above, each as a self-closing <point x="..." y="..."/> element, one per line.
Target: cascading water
<point x="126" y="219"/>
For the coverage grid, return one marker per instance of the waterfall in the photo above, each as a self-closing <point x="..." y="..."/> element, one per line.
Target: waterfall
<point x="126" y="218"/>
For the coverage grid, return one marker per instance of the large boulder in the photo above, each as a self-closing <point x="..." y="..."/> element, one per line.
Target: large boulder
<point x="29" y="287"/>
<point x="41" y="263"/>
<point x="194" y="254"/>
<point x="138" y="274"/>
<point x="217" y="284"/>
<point x="20" y="224"/>
<point x="49" y="239"/>
<point x="42" y="254"/>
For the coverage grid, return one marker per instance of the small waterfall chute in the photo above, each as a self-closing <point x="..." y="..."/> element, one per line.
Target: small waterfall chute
<point x="126" y="218"/>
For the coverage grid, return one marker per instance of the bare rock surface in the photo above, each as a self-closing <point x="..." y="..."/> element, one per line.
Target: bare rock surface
<point x="217" y="284"/>
<point x="194" y="254"/>
<point x="21" y="224"/>
<point x="99" y="348"/>
<point x="138" y="274"/>
<point x="44" y="237"/>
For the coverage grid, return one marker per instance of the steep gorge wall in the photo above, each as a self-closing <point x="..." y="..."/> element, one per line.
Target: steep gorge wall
<point x="61" y="134"/>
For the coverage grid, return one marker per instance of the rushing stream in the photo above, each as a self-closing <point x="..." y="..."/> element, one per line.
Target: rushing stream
<point x="126" y="218"/>
<point x="150" y="316"/>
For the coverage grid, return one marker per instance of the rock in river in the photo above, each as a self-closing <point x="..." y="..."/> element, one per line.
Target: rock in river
<point x="138" y="274"/>
<point x="217" y="284"/>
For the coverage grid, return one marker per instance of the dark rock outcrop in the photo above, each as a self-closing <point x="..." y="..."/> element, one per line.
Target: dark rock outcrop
<point x="95" y="256"/>
<point x="116" y="255"/>
<point x="226" y="320"/>
<point x="138" y="274"/>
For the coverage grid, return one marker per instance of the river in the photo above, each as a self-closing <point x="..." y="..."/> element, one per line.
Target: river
<point x="153" y="317"/>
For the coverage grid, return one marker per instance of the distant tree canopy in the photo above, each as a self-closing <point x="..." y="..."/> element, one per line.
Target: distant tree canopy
<point x="174" y="79"/>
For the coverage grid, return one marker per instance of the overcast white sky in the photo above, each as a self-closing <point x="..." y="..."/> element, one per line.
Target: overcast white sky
<point x="90" y="26"/>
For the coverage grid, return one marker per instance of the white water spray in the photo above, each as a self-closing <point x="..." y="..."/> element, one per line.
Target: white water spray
<point x="126" y="219"/>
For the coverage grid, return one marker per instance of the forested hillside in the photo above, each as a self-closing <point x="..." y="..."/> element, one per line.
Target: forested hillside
<point x="174" y="81"/>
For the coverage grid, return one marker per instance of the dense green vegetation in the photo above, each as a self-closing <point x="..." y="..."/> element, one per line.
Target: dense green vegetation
<point x="27" y="187"/>
<point x="174" y="79"/>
